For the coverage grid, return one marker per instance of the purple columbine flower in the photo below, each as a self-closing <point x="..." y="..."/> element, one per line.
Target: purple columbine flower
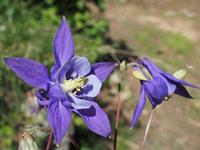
<point x="157" y="85"/>
<point x="72" y="85"/>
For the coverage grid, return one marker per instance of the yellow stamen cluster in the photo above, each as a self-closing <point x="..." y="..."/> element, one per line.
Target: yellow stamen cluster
<point x="74" y="84"/>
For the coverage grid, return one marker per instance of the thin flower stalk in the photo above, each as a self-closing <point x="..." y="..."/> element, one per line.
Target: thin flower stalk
<point x="147" y="129"/>
<point x="117" y="117"/>
<point x="71" y="139"/>
<point x="48" y="146"/>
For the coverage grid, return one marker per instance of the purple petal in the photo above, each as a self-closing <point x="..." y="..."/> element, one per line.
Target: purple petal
<point x="150" y="65"/>
<point x="54" y="71"/>
<point x="170" y="86"/>
<point x="157" y="88"/>
<point x="77" y="67"/>
<point x="96" y="120"/>
<point x="103" y="69"/>
<point x="182" y="91"/>
<point x="41" y="99"/>
<point x="55" y="91"/>
<point x="92" y="87"/>
<point x="59" y="118"/>
<point x="64" y="72"/>
<point x="152" y="100"/>
<point x="152" y="68"/>
<point x="139" y="107"/>
<point x="175" y="80"/>
<point x="30" y="71"/>
<point x="63" y="44"/>
<point x="80" y="103"/>
<point x="81" y="66"/>
<point x="43" y="102"/>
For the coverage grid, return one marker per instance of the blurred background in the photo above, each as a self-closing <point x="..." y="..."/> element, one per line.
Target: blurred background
<point x="167" y="31"/>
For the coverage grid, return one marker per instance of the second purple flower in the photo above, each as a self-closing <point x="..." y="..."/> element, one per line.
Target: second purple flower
<point x="156" y="85"/>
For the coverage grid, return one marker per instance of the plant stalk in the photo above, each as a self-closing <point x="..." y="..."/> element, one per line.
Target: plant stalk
<point x="117" y="117"/>
<point x="71" y="139"/>
<point x="49" y="141"/>
<point x="147" y="129"/>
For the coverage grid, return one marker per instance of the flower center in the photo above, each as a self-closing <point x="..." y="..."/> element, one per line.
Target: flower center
<point x="74" y="84"/>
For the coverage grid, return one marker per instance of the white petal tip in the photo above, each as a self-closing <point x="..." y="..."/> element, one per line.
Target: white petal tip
<point x="57" y="145"/>
<point x="63" y="17"/>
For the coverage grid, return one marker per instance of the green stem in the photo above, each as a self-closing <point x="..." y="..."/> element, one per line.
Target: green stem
<point x="117" y="117"/>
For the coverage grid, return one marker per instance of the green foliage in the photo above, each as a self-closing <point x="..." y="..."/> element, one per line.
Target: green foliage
<point x="8" y="133"/>
<point x="83" y="20"/>
<point x="91" y="28"/>
<point x="153" y="40"/>
<point x="79" y="15"/>
<point x="178" y="43"/>
<point x="146" y="40"/>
